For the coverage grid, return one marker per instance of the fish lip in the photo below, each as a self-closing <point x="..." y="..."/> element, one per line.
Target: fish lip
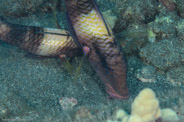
<point x="115" y="95"/>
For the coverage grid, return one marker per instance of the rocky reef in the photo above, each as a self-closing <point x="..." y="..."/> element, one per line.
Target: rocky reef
<point x="151" y="35"/>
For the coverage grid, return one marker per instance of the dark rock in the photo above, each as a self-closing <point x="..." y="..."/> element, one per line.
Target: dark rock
<point x="135" y="12"/>
<point x="180" y="7"/>
<point x="169" y="4"/>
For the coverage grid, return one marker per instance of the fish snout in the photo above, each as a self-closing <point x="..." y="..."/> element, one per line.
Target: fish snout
<point x="116" y="93"/>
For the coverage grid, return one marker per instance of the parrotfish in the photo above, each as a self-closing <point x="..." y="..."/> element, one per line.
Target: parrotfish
<point x="89" y="29"/>
<point x="40" y="41"/>
<point x="88" y="32"/>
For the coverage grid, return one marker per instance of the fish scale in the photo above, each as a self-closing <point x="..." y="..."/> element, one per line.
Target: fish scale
<point x="88" y="28"/>
<point x="93" y="28"/>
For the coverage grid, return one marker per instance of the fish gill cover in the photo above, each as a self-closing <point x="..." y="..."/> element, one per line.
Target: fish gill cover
<point x="42" y="88"/>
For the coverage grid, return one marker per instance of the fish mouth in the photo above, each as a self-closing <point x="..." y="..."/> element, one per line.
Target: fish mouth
<point x="115" y="94"/>
<point x="115" y="82"/>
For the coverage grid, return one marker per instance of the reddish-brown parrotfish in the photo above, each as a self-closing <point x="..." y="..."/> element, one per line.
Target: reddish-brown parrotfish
<point x="88" y="29"/>
<point x="40" y="41"/>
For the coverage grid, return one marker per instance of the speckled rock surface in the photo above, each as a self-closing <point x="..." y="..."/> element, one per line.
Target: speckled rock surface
<point x="133" y="38"/>
<point x="164" y="26"/>
<point x="135" y="12"/>
<point x="180" y="7"/>
<point x="146" y="74"/>
<point x="175" y="75"/>
<point x="169" y="4"/>
<point x="180" y="28"/>
<point x="164" y="54"/>
<point x="18" y="8"/>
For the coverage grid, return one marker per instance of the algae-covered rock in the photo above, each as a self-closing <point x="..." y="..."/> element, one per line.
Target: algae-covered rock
<point x="133" y="38"/>
<point x="135" y="12"/>
<point x="180" y="7"/>
<point x="175" y="75"/>
<point x="164" y="26"/>
<point x="180" y="28"/>
<point x="164" y="54"/>
<point x="18" y="8"/>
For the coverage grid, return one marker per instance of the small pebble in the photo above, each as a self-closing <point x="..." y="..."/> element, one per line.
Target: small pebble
<point x="146" y="74"/>
<point x="67" y="103"/>
<point x="83" y="113"/>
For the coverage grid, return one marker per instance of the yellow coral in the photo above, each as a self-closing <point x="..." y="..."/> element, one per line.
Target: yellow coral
<point x="120" y="114"/>
<point x="134" y="118"/>
<point x="146" y="106"/>
<point x="169" y="115"/>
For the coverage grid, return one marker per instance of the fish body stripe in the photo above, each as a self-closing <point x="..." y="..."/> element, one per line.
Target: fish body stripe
<point x="54" y="44"/>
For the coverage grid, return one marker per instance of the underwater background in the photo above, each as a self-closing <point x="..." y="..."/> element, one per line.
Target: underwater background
<point x="42" y="89"/>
